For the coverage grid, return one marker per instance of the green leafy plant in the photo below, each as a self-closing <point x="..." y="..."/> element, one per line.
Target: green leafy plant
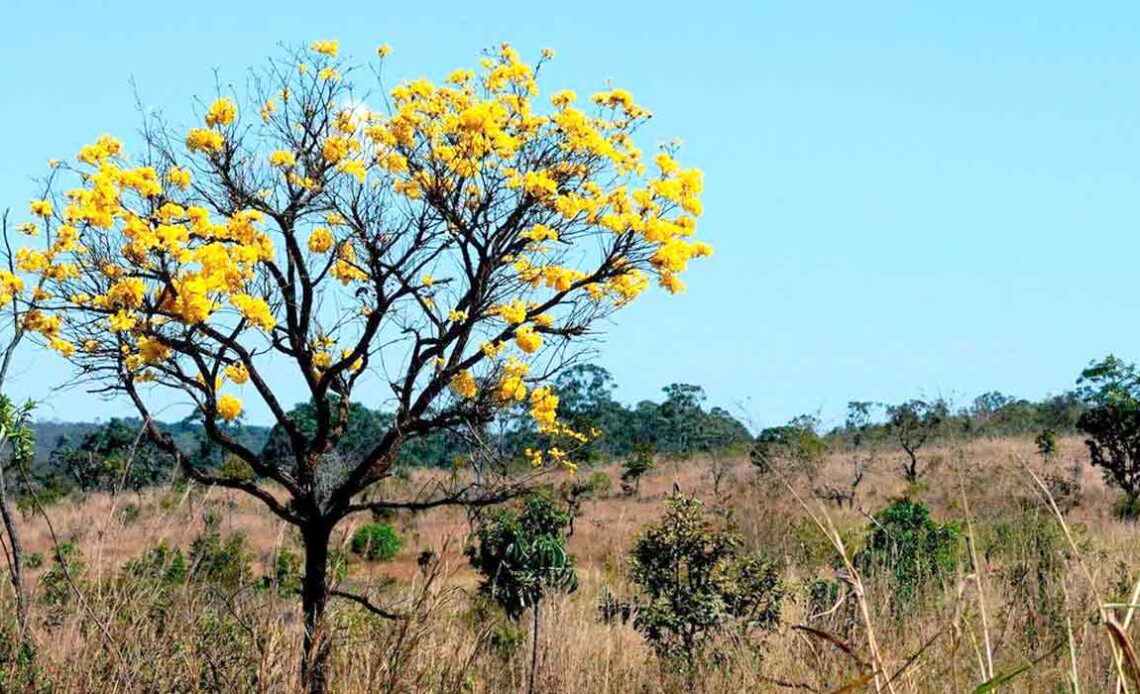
<point x="160" y="563"/>
<point x="222" y="561"/>
<point x="521" y="554"/>
<point x="911" y="551"/>
<point x="794" y="448"/>
<point x="377" y="542"/>
<point x="695" y="583"/>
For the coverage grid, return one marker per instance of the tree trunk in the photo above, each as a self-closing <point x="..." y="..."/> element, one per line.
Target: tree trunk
<point x="533" y="648"/>
<point x="912" y="467"/>
<point x="17" y="567"/>
<point x="314" y="600"/>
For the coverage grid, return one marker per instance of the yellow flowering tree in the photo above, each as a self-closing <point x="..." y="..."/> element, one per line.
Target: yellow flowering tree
<point x="448" y="249"/>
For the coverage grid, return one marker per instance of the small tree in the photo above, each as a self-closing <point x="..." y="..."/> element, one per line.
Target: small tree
<point x="445" y="248"/>
<point x="16" y="451"/>
<point x="635" y="467"/>
<point x="695" y="584"/>
<point x="1111" y="388"/>
<point x="522" y="557"/>
<point x="860" y="431"/>
<point x="794" y="448"/>
<point x="913" y="424"/>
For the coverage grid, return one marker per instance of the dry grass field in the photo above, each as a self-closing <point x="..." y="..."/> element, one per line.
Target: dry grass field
<point x="1031" y="603"/>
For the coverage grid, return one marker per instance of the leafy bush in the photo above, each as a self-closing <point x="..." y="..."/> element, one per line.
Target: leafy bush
<point x="57" y="582"/>
<point x="377" y="542"/>
<point x="225" y="562"/>
<point x="911" y="551"/>
<point x="794" y="448"/>
<point x="696" y="584"/>
<point x="521" y="554"/>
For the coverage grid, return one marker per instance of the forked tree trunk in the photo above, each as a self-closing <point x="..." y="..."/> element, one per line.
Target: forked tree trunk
<point x="314" y="600"/>
<point x="17" y="568"/>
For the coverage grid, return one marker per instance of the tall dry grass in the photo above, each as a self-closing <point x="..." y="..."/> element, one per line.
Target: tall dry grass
<point x="1020" y="599"/>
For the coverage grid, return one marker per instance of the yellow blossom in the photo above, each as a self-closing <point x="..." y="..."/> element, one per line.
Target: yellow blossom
<point x="321" y="240"/>
<point x="203" y="140"/>
<point x="282" y="159"/>
<point x="229" y="407"/>
<point x="255" y="310"/>
<point x="122" y="321"/>
<point x="329" y="47"/>
<point x="222" y="112"/>
<point x="237" y="373"/>
<point x="463" y="383"/>
<point x="180" y="178"/>
<point x="527" y="339"/>
<point x="514" y="312"/>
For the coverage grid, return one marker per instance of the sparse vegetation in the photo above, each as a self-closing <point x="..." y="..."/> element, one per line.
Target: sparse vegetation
<point x="368" y="310"/>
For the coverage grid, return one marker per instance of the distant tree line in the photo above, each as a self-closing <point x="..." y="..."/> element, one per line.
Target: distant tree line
<point x="113" y="455"/>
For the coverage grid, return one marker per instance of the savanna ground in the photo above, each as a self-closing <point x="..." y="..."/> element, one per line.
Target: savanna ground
<point x="98" y="629"/>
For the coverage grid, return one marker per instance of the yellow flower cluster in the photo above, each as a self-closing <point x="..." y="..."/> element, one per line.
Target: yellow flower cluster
<point x="222" y="112"/>
<point x="544" y="407"/>
<point x="204" y="140"/>
<point x="527" y="339"/>
<point x="463" y="383"/>
<point x="320" y="240"/>
<point x="512" y="387"/>
<point x="237" y="373"/>
<point x="329" y="48"/>
<point x="10" y="286"/>
<point x="229" y="407"/>
<point x="514" y="312"/>
<point x="282" y="159"/>
<point x="178" y="177"/>
<point x="255" y="310"/>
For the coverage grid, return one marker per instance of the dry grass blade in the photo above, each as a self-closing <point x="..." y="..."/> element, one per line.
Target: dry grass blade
<point x="833" y="640"/>
<point x="1118" y="657"/>
<point x="855" y="684"/>
<point x="832" y="534"/>
<point x="1125" y="644"/>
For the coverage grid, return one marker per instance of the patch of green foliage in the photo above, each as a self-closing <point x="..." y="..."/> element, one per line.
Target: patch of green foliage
<point x="377" y="542"/>
<point x="910" y="551"/>
<point x="696" y="583"/>
<point x="521" y="554"/>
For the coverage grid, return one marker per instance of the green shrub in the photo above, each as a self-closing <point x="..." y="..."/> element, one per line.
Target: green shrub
<point x="909" y="550"/>
<point x="376" y="542"/>
<point x="225" y="562"/>
<point x="696" y="584"/>
<point x="287" y="571"/>
<point x="521" y="554"/>
<point x="66" y="569"/>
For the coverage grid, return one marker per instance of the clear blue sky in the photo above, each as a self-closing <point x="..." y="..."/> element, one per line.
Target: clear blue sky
<point x="902" y="200"/>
